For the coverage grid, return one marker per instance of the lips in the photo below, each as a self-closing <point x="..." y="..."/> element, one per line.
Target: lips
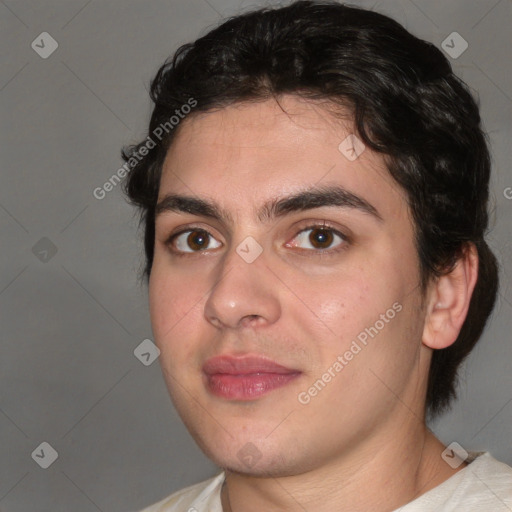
<point x="245" y="378"/>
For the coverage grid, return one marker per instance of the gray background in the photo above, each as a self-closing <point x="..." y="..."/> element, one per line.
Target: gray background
<point x="71" y="320"/>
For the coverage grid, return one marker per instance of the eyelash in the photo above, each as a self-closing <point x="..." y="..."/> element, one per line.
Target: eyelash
<point x="317" y="252"/>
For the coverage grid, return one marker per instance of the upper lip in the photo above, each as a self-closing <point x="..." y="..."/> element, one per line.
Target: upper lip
<point x="243" y="365"/>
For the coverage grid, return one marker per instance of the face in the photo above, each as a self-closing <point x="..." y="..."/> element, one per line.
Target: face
<point x="284" y="290"/>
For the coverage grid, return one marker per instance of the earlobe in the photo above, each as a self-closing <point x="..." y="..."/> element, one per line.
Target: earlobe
<point x="450" y="296"/>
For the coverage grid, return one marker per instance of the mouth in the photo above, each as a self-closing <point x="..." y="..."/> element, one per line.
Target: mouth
<point x="245" y="378"/>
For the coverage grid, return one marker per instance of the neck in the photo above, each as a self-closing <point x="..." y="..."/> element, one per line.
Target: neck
<point x="380" y="476"/>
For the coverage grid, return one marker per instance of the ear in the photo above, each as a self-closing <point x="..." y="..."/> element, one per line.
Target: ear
<point x="448" y="301"/>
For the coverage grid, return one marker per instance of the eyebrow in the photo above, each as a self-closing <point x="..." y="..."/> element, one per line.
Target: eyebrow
<point x="317" y="197"/>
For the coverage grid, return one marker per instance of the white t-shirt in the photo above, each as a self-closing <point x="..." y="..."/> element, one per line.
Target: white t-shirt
<point x="484" y="485"/>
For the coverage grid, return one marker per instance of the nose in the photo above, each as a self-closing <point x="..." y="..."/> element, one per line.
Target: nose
<point x="245" y="294"/>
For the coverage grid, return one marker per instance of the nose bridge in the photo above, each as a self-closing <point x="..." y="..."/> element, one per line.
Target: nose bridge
<point x="243" y="287"/>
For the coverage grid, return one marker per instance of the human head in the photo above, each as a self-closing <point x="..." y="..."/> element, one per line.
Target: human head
<point x="405" y="102"/>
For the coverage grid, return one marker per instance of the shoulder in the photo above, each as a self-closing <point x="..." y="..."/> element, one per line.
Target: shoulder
<point x="489" y="481"/>
<point x="484" y="484"/>
<point x="203" y="496"/>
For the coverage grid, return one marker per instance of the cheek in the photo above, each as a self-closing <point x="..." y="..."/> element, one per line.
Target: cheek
<point x="171" y="299"/>
<point x="175" y="307"/>
<point x="364" y="303"/>
<point x="342" y="303"/>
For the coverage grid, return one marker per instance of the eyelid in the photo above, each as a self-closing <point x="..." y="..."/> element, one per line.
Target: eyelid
<point x="327" y="227"/>
<point x="189" y="227"/>
<point x="169" y="241"/>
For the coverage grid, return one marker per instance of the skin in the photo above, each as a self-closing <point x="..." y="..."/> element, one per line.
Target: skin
<point x="361" y="443"/>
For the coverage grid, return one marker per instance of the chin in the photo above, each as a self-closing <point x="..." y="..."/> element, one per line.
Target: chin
<point x="267" y="467"/>
<point x="259" y="459"/>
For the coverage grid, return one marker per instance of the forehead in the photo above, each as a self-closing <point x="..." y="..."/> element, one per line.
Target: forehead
<point x="246" y="153"/>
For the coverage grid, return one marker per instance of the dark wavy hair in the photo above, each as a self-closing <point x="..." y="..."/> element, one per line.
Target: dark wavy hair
<point x="406" y="104"/>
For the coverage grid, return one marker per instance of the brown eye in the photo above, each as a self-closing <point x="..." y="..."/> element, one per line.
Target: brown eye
<point x="194" y="240"/>
<point x="197" y="240"/>
<point x="319" y="237"/>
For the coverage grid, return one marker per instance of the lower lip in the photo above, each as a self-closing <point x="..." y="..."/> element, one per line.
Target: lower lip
<point x="247" y="386"/>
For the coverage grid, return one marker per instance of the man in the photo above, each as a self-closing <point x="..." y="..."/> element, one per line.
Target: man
<point x="314" y="211"/>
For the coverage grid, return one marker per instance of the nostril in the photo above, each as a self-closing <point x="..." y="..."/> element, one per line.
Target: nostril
<point x="250" y="319"/>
